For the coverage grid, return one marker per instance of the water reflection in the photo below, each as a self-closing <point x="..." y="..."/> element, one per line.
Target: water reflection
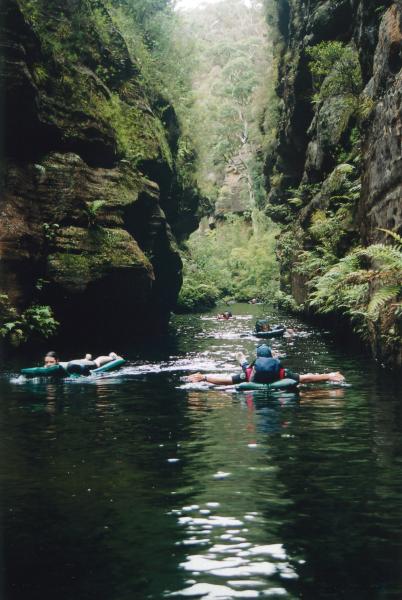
<point x="133" y="487"/>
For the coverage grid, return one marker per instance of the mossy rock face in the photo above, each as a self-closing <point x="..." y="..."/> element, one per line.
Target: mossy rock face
<point x="69" y="189"/>
<point x="330" y="17"/>
<point x="326" y="130"/>
<point x="82" y="256"/>
<point x="90" y="161"/>
<point x="331" y="186"/>
<point x="380" y="203"/>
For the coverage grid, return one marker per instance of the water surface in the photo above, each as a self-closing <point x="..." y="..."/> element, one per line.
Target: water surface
<point x="136" y="486"/>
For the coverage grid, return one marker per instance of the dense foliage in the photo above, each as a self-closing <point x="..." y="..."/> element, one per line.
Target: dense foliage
<point x="163" y="50"/>
<point x="361" y="285"/>
<point x="234" y="261"/>
<point x="229" y="41"/>
<point x="335" y="69"/>
<point x="35" y="322"/>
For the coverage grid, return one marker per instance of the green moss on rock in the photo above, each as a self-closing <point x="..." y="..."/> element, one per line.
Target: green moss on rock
<point x="83" y="256"/>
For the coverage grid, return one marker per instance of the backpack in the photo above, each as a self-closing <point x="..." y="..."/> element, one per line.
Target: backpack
<point x="266" y="370"/>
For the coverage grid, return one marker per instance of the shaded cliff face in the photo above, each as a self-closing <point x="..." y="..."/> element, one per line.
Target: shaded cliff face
<point x="380" y="203"/>
<point x="90" y="190"/>
<point x="334" y="177"/>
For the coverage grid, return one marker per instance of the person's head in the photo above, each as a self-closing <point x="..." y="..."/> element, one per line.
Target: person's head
<point x="264" y="351"/>
<point x="51" y="359"/>
<point x="262" y="325"/>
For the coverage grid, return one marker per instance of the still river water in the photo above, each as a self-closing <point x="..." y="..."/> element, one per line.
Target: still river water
<point x="135" y="486"/>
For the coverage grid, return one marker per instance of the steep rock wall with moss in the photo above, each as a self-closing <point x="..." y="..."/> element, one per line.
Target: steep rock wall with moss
<point x="334" y="173"/>
<point x="91" y="194"/>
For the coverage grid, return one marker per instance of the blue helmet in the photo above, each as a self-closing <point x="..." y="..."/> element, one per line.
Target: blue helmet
<point x="264" y="351"/>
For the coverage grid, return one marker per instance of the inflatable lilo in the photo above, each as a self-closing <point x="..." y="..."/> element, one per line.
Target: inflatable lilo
<point x="78" y="367"/>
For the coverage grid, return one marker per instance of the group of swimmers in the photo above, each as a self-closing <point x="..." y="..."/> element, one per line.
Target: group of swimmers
<point x="265" y="368"/>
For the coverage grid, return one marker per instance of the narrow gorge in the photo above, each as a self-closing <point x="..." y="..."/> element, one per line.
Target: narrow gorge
<point x="129" y="125"/>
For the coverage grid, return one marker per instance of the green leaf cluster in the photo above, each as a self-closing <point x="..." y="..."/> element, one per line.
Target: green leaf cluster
<point x="336" y="71"/>
<point x="37" y="321"/>
<point x="196" y="297"/>
<point x="361" y="284"/>
<point x="92" y="210"/>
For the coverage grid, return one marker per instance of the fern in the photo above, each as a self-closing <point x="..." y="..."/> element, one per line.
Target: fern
<point x="393" y="234"/>
<point x="381" y="297"/>
<point x="92" y="209"/>
<point x="346" y="286"/>
<point x="391" y="256"/>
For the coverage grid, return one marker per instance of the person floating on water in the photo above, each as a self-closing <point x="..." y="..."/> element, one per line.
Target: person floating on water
<point x="263" y="327"/>
<point x="81" y="366"/>
<point x="224" y="316"/>
<point x="265" y="369"/>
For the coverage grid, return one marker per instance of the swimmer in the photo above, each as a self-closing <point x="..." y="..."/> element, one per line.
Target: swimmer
<point x="224" y="316"/>
<point x="265" y="369"/>
<point x="79" y="365"/>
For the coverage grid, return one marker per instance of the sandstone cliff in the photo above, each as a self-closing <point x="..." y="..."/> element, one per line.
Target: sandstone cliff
<point x="91" y="194"/>
<point x="334" y="174"/>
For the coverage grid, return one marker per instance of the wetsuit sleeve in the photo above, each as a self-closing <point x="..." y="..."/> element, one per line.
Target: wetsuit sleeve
<point x="239" y="378"/>
<point x="80" y="366"/>
<point x="291" y="375"/>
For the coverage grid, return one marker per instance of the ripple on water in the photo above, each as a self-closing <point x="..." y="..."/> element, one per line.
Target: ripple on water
<point x="246" y="567"/>
<point x="209" y="591"/>
<point x="346" y="442"/>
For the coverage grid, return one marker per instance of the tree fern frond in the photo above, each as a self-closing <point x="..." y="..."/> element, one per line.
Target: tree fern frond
<point x="357" y="277"/>
<point x="389" y="255"/>
<point x="393" y="234"/>
<point x="381" y="296"/>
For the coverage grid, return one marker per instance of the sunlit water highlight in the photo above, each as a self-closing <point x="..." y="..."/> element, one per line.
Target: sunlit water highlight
<point x="136" y="485"/>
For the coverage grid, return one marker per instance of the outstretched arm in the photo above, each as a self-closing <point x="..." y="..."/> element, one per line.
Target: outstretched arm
<point x="314" y="377"/>
<point x="216" y="378"/>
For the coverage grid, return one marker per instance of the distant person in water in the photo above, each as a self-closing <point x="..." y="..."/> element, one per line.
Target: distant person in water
<point x="81" y="366"/>
<point x="265" y="369"/>
<point x="263" y="326"/>
<point x="224" y="316"/>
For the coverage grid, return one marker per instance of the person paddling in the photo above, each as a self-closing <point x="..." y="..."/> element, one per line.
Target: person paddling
<point x="224" y="316"/>
<point x="265" y="369"/>
<point x="81" y="366"/>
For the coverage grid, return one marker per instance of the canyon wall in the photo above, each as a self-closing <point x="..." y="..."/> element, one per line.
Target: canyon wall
<point x="334" y="174"/>
<point x="92" y="198"/>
